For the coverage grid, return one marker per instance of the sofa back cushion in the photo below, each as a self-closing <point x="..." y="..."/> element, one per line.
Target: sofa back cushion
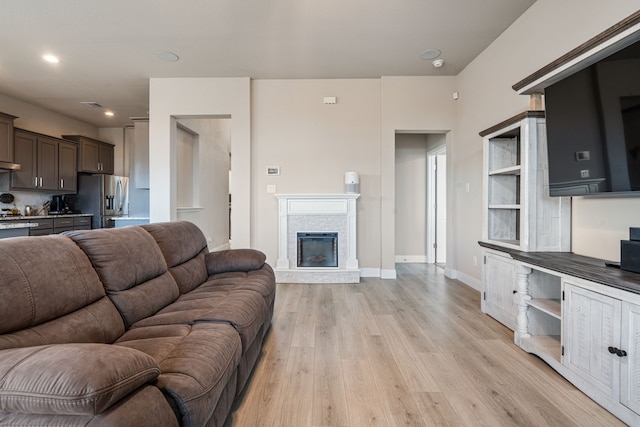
<point x="131" y="268"/>
<point x="184" y="247"/>
<point x="49" y="293"/>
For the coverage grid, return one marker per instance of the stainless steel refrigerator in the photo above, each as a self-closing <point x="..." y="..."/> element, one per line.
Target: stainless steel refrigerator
<point x="104" y="196"/>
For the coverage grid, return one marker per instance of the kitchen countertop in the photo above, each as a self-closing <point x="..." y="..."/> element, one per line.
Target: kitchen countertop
<point x="129" y="218"/>
<point x="14" y="225"/>
<point x="28" y="218"/>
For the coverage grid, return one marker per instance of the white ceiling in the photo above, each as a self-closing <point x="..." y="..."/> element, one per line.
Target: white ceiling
<point x="108" y="49"/>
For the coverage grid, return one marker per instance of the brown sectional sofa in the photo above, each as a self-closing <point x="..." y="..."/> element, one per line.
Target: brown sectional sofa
<point x="135" y="326"/>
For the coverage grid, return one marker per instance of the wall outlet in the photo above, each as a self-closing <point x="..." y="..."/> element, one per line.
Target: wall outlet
<point x="271" y="189"/>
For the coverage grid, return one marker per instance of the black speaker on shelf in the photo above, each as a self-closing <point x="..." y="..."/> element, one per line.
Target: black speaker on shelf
<point x="630" y="251"/>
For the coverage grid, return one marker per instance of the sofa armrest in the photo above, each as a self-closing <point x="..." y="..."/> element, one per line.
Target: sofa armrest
<point x="234" y="260"/>
<point x="72" y="379"/>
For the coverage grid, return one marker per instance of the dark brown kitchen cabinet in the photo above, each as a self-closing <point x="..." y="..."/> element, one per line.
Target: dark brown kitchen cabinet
<point x="93" y="156"/>
<point x="44" y="227"/>
<point x="67" y="166"/>
<point x="6" y="137"/>
<point x="25" y="152"/>
<point x="56" y="225"/>
<point x="82" y="223"/>
<point x="47" y="163"/>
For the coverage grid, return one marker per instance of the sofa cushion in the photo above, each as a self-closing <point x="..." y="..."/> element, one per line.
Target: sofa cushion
<point x="71" y="378"/>
<point x="179" y="241"/>
<point x="183" y="246"/>
<point x="147" y="407"/>
<point x="261" y="281"/>
<point x="42" y="279"/>
<point x="197" y="363"/>
<point x="98" y="322"/>
<point x="49" y="293"/>
<point x="234" y="260"/>
<point x="132" y="269"/>
<point x="246" y="311"/>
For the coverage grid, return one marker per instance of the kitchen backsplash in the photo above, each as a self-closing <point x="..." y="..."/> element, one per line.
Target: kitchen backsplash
<point x="24" y="198"/>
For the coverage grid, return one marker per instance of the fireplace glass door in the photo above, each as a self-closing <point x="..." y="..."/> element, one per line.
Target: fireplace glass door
<point x="317" y="249"/>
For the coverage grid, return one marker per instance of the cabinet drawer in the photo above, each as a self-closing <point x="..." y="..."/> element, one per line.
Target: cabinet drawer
<point x="80" y="221"/>
<point x="59" y="230"/>
<point x="62" y="223"/>
<point x="35" y="231"/>
<point x="45" y="223"/>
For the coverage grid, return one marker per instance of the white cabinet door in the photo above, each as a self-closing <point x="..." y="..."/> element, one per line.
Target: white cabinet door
<point x="499" y="289"/>
<point x="591" y="326"/>
<point x="630" y="363"/>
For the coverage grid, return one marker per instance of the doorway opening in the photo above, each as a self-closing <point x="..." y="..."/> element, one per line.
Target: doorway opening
<point x="202" y="161"/>
<point x="420" y="197"/>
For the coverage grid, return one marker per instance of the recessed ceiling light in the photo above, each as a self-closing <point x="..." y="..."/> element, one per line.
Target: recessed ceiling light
<point x="438" y="63"/>
<point x="430" y="54"/>
<point x="165" y="55"/>
<point x="109" y="113"/>
<point x="51" y="58"/>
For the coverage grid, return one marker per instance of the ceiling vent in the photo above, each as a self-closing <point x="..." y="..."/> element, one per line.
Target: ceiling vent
<point x="91" y="104"/>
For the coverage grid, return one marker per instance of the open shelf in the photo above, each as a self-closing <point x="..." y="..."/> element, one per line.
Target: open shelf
<point x="511" y="170"/>
<point x="544" y="344"/>
<point x="551" y="307"/>
<point x="504" y="206"/>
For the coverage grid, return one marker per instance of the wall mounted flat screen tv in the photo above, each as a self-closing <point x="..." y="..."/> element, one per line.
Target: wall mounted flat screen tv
<point x="593" y="128"/>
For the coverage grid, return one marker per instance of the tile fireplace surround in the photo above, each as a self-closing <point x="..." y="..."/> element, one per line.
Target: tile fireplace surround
<point x="317" y="213"/>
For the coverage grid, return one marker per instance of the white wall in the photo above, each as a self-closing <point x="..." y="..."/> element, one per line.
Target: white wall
<point x="315" y="144"/>
<point x="541" y="35"/>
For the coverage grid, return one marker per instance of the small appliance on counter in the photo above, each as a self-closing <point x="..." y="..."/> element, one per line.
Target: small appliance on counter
<point x="104" y="196"/>
<point x="630" y="251"/>
<point x="59" y="205"/>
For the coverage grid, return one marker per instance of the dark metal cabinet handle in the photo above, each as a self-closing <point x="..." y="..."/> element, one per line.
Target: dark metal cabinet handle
<point x="617" y="351"/>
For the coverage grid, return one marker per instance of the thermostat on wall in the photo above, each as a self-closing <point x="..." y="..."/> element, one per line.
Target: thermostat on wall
<point x="273" y="170"/>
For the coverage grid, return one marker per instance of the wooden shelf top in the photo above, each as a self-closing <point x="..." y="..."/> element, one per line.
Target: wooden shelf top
<point x="587" y="268"/>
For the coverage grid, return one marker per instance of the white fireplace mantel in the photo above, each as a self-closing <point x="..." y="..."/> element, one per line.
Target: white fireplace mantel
<point x="317" y="213"/>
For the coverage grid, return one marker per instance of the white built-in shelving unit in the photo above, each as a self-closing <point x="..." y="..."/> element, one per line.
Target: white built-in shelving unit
<point x="518" y="212"/>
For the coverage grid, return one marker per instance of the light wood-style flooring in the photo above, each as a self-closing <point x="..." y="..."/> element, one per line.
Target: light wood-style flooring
<point x="416" y="351"/>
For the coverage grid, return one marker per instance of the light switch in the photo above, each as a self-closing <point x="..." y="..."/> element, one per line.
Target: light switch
<point x="271" y="189"/>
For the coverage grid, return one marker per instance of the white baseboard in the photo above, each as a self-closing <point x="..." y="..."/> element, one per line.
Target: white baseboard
<point x="388" y="274"/>
<point x="450" y="273"/>
<point x="377" y="272"/>
<point x="464" y="278"/>
<point x="369" y="272"/>
<point x="411" y="259"/>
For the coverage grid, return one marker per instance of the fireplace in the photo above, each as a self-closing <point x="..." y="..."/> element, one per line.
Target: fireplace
<point x="317" y="250"/>
<point x="317" y="238"/>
